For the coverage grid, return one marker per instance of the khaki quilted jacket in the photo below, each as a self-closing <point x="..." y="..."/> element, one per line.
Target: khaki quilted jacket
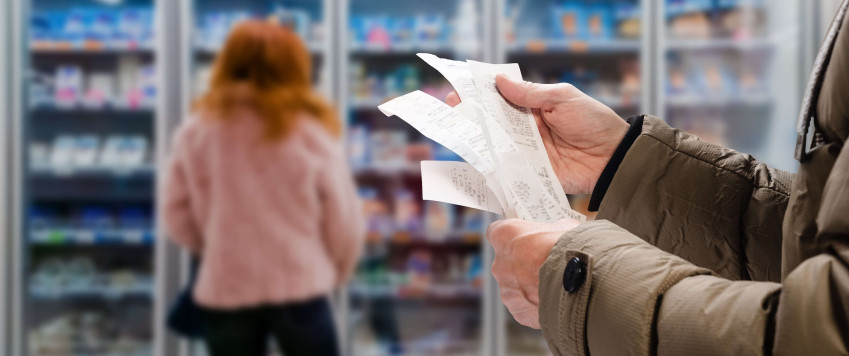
<point x="703" y="250"/>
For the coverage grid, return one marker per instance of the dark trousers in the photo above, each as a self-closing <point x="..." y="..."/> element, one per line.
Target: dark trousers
<point x="303" y="328"/>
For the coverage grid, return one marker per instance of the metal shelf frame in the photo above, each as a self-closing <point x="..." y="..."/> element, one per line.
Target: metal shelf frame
<point x="5" y="156"/>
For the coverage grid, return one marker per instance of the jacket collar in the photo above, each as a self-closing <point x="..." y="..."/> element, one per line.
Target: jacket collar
<point x="815" y="84"/>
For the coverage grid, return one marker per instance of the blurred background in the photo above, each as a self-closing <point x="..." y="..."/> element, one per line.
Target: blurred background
<point x="92" y="90"/>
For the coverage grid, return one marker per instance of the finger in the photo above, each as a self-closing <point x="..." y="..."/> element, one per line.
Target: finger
<point x="565" y="224"/>
<point x="452" y="99"/>
<point x="525" y="314"/>
<point x="501" y="231"/>
<point x="532" y="95"/>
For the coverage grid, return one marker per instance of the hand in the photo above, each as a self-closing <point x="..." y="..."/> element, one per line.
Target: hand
<point x="521" y="247"/>
<point x="579" y="133"/>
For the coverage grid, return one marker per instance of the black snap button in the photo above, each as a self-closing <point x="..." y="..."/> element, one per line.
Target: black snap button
<point x="574" y="275"/>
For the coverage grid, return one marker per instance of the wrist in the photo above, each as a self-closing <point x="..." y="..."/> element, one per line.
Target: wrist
<point x="634" y="128"/>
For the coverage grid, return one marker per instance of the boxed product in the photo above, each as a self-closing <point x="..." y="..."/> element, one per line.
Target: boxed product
<point x="430" y="28"/>
<point x="76" y="27"/>
<point x="101" y="30"/>
<point x="101" y="87"/>
<point x="358" y="154"/>
<point x="62" y="155"/>
<point x="297" y="21"/>
<point x="68" y="85"/>
<point x="570" y="21"/>
<point x="628" y="23"/>
<point x="84" y="153"/>
<point x="599" y="22"/>
<point x="388" y="149"/>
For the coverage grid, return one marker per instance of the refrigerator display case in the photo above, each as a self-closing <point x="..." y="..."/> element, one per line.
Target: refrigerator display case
<point x="419" y="288"/>
<point x="732" y="73"/>
<point x="597" y="46"/>
<point x="213" y="20"/>
<point x="87" y="128"/>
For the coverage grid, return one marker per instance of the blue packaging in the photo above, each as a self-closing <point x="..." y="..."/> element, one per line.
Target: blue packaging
<point x="430" y="28"/>
<point x="731" y="4"/>
<point x="75" y="27"/>
<point x="40" y="26"/>
<point x="569" y="21"/>
<point x="358" y="153"/>
<point x="103" y="26"/>
<point x="626" y="11"/>
<point x="95" y="218"/>
<point x="681" y="7"/>
<point x="599" y="22"/>
<point x="134" y="218"/>
<point x="401" y="30"/>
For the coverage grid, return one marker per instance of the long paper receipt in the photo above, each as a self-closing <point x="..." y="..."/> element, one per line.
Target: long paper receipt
<point x="506" y="169"/>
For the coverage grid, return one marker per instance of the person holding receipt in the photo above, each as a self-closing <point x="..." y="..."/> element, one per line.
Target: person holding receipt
<point x="690" y="254"/>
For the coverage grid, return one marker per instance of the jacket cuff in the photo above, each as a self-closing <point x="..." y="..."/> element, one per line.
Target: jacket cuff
<point x="714" y="316"/>
<point x="625" y="279"/>
<point x="612" y="166"/>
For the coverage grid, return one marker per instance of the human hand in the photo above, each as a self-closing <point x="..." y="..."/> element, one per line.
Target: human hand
<point x="579" y="133"/>
<point x="521" y="247"/>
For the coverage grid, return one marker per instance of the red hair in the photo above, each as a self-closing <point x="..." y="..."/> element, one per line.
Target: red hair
<point x="268" y="69"/>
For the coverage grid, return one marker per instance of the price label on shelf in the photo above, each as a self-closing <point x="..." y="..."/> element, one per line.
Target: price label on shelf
<point x="134" y="236"/>
<point x="84" y="237"/>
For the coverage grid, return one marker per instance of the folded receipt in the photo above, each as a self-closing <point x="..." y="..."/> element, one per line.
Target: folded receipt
<point x="506" y="169"/>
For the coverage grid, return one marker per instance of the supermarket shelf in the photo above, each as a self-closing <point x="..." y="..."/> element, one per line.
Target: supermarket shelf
<point x="719" y="44"/>
<point x="88" y="111"/>
<point x="210" y="51"/>
<point x="543" y="47"/>
<point x="140" y="172"/>
<point x="90" y="237"/>
<point x="387" y="172"/>
<point x="90" y="189"/>
<point x="617" y="102"/>
<point x="61" y="50"/>
<point x="372" y="49"/>
<point x="470" y="240"/>
<point x="89" y="292"/>
<point x="454" y="239"/>
<point x="369" y="103"/>
<point x="679" y="101"/>
<point x="431" y="292"/>
<point x="47" y="121"/>
<point x="143" y="351"/>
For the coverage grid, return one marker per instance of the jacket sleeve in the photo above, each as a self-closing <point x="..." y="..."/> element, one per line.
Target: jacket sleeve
<point x="712" y="206"/>
<point x="343" y="221"/>
<point x="176" y="202"/>
<point x="639" y="300"/>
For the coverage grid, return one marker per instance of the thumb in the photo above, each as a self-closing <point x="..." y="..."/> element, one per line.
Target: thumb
<point x="531" y="95"/>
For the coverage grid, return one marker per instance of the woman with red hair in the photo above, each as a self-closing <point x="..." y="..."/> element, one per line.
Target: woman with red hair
<point x="258" y="187"/>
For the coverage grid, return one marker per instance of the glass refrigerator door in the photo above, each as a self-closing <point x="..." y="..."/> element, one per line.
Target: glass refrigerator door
<point x="418" y="289"/>
<point x="732" y="74"/>
<point x="593" y="45"/>
<point x="88" y="138"/>
<point x="213" y="20"/>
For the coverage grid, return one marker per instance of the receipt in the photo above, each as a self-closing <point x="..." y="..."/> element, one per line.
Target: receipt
<point x="458" y="183"/>
<point x="520" y="127"/>
<point x="507" y="169"/>
<point x="458" y="74"/>
<point x="443" y="124"/>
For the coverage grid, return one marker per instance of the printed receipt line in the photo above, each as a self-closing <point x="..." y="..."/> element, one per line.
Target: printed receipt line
<point x="507" y="170"/>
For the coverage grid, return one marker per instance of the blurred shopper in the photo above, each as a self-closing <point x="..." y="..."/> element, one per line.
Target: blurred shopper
<point x="260" y="190"/>
<point x="690" y="256"/>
